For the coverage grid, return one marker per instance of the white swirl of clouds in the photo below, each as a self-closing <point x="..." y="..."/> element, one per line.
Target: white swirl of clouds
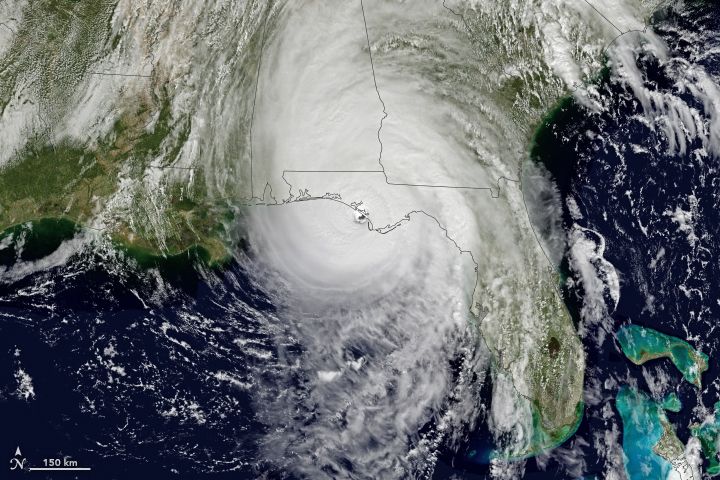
<point x="368" y="117"/>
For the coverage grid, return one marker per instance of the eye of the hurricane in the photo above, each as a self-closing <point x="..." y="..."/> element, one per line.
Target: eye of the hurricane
<point x="322" y="246"/>
<point x="360" y="217"/>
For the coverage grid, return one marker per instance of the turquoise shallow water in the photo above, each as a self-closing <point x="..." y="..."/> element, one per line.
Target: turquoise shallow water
<point x="641" y="344"/>
<point x="672" y="403"/>
<point x="641" y="431"/>
<point x="709" y="434"/>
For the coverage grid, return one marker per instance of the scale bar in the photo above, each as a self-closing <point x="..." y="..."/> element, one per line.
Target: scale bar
<point x="56" y="469"/>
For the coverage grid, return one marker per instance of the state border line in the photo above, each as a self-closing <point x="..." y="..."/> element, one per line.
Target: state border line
<point x="252" y="114"/>
<point x="551" y="265"/>
<point x="113" y="74"/>
<point x="603" y="16"/>
<point x="493" y="192"/>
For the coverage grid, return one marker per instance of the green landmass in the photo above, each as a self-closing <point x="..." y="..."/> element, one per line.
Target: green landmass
<point x="81" y="178"/>
<point x="640" y="344"/>
<point x="55" y="44"/>
<point x="49" y="181"/>
<point x="557" y="370"/>
<point x="556" y="375"/>
<point x="649" y="438"/>
<point x="545" y="439"/>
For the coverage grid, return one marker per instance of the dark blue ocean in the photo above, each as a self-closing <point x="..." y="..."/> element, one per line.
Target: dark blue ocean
<point x="651" y="199"/>
<point x="118" y="380"/>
